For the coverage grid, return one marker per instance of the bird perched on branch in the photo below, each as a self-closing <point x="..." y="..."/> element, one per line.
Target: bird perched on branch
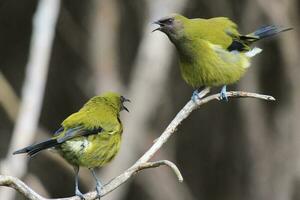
<point x="88" y="138"/>
<point x="211" y="51"/>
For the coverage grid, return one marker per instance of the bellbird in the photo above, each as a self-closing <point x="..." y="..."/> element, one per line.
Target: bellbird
<point x="88" y="138"/>
<point x="211" y="51"/>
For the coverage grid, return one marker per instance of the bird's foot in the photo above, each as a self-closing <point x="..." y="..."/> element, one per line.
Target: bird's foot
<point x="200" y="93"/>
<point x="79" y="194"/>
<point x="195" y="96"/>
<point x="223" y="94"/>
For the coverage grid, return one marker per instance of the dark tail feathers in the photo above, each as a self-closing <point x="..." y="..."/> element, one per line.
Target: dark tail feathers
<point x="267" y="31"/>
<point x="263" y="32"/>
<point x="36" y="148"/>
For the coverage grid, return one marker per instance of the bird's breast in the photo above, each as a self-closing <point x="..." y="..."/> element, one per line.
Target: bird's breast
<point x="205" y="64"/>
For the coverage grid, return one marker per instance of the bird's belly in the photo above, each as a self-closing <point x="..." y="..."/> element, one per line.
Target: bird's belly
<point x="211" y="72"/>
<point x="91" y="151"/>
<point x="206" y="64"/>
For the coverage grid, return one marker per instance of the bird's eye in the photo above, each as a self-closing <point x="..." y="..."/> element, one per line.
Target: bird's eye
<point x="170" y="21"/>
<point x="167" y="21"/>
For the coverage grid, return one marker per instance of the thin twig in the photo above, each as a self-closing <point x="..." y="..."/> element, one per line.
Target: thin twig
<point x="20" y="186"/>
<point x="159" y="163"/>
<point x="143" y="162"/>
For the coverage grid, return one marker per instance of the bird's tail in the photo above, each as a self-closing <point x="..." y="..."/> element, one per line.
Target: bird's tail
<point x="263" y="32"/>
<point x="36" y="148"/>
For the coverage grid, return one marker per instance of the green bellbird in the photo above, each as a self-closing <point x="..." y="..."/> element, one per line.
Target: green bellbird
<point x="88" y="138"/>
<point x="211" y="51"/>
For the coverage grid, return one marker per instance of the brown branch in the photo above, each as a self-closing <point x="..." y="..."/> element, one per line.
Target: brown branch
<point x="143" y="162"/>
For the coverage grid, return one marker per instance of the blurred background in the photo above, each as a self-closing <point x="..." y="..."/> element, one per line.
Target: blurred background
<point x="244" y="149"/>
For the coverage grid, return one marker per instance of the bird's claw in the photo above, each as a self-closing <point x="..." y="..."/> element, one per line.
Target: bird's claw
<point x="195" y="96"/>
<point x="200" y="93"/>
<point x="79" y="194"/>
<point x="223" y="94"/>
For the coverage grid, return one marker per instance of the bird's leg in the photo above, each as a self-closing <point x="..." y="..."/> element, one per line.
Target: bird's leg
<point x="223" y="93"/>
<point x="77" y="191"/>
<point x="197" y="94"/>
<point x="98" y="182"/>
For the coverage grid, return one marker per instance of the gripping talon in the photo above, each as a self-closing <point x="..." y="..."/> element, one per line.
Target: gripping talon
<point x="200" y="93"/>
<point x="195" y="96"/>
<point x="79" y="194"/>
<point x="223" y="94"/>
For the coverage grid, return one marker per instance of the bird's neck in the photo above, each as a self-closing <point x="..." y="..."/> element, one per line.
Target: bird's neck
<point x="184" y="49"/>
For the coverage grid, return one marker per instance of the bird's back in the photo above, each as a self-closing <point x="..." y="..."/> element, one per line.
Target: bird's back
<point x="98" y="148"/>
<point x="218" y="30"/>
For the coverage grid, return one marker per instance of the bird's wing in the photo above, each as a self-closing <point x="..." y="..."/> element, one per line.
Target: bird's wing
<point x="223" y="32"/>
<point x="87" y="122"/>
<point x="76" y="131"/>
<point x="233" y="57"/>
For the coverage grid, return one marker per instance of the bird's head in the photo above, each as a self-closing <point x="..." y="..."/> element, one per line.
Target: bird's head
<point x="172" y="26"/>
<point x="116" y="100"/>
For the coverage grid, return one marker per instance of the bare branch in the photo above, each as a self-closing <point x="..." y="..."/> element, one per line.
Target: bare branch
<point x="241" y="94"/>
<point x="20" y="186"/>
<point x="143" y="162"/>
<point x="162" y="162"/>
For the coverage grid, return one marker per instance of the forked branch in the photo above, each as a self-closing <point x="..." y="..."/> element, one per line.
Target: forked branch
<point x="143" y="162"/>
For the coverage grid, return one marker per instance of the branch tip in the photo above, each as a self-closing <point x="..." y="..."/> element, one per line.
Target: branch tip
<point x="155" y="164"/>
<point x="143" y="162"/>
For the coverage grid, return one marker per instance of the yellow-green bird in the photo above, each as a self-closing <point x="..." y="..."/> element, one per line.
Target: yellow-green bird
<point x="88" y="138"/>
<point x="211" y="51"/>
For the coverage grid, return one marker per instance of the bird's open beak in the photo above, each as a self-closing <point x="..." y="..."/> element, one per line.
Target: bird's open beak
<point x="160" y="26"/>
<point x="125" y="100"/>
<point x="124" y="108"/>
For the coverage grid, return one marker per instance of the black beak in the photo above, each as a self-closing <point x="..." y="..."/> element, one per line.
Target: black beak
<point x="123" y="99"/>
<point x="160" y="26"/>
<point x="124" y="108"/>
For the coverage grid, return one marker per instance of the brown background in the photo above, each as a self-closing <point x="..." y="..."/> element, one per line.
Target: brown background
<point x="244" y="149"/>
